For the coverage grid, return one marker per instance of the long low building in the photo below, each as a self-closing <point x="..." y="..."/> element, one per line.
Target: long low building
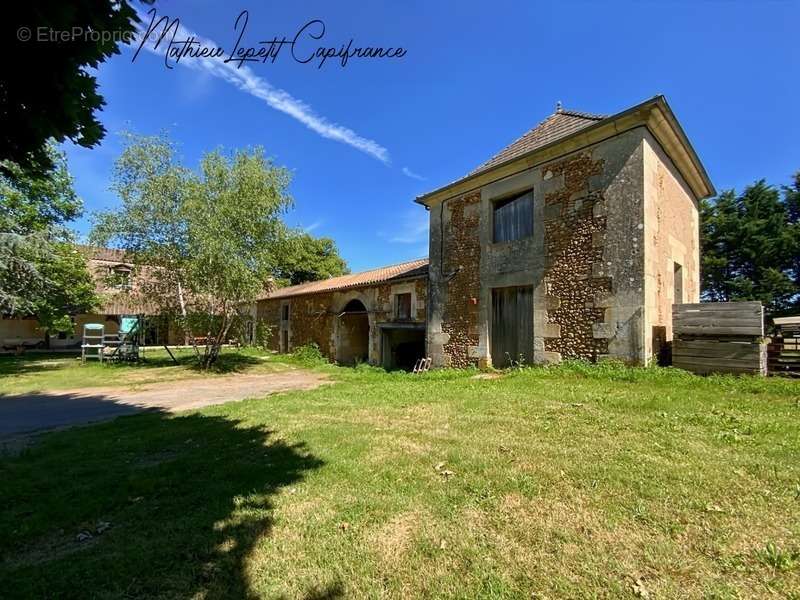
<point x="377" y="316"/>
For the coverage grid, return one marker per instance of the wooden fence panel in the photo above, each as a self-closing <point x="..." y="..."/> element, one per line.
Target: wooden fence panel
<point x="718" y="319"/>
<point x="719" y="337"/>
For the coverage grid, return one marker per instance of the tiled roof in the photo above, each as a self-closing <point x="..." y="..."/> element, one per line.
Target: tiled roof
<point x="104" y="254"/>
<point x="560" y="124"/>
<point x="414" y="268"/>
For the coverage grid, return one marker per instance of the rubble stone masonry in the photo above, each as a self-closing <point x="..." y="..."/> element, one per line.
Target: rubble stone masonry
<point x="462" y="252"/>
<point x="313" y="317"/>
<point x="573" y="245"/>
<point x="584" y="260"/>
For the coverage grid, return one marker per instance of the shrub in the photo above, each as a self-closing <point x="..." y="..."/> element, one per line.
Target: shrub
<point x="309" y="354"/>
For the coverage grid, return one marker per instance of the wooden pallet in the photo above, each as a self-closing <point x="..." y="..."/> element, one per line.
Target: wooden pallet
<point x="719" y="337"/>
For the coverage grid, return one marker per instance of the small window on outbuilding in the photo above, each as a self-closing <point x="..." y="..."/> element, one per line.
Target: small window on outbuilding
<point x="513" y="217"/>
<point x="285" y="312"/>
<point x="402" y="307"/>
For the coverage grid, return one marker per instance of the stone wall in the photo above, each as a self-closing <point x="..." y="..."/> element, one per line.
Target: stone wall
<point x="314" y="318"/>
<point x="584" y="260"/>
<point x="269" y="312"/>
<point x="462" y="254"/>
<point x="672" y="235"/>
<point x="573" y="245"/>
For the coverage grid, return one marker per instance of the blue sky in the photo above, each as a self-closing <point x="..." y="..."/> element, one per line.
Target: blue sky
<point x="476" y="75"/>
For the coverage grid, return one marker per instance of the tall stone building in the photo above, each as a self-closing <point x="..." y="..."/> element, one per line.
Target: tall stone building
<point x="572" y="242"/>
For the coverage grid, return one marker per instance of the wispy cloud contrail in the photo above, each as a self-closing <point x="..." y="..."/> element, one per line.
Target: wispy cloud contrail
<point x="247" y="81"/>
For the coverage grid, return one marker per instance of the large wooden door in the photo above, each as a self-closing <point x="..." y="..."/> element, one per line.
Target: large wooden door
<point x="512" y="325"/>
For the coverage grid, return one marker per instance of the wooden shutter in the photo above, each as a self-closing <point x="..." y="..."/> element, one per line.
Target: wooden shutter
<point x="513" y="218"/>
<point x="403" y="307"/>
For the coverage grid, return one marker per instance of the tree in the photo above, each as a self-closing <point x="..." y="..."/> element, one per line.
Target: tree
<point x="41" y="272"/>
<point x="70" y="290"/>
<point x="750" y="246"/>
<point x="205" y="242"/>
<point x="306" y="258"/>
<point x="46" y="89"/>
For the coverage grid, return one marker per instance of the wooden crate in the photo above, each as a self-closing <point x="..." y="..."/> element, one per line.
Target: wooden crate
<point x="719" y="337"/>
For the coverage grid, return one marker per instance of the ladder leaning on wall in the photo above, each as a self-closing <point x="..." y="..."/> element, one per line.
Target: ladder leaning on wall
<point x="92" y="345"/>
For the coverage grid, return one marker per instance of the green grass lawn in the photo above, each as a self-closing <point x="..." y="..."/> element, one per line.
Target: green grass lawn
<point x="565" y="482"/>
<point x="42" y="372"/>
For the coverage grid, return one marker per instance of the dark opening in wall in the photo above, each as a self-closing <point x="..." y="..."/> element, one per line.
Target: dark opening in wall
<point x="352" y="340"/>
<point x="402" y="347"/>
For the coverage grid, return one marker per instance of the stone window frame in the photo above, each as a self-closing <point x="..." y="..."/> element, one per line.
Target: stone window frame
<point x="397" y="316"/>
<point x="529" y="179"/>
<point x="678" y="281"/>
<point x="499" y="201"/>
<point x="120" y="276"/>
<point x="503" y="189"/>
<point x="404" y="288"/>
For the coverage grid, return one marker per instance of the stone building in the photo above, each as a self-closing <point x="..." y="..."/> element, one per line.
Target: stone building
<point x="377" y="316"/>
<point x="115" y="279"/>
<point x="572" y="242"/>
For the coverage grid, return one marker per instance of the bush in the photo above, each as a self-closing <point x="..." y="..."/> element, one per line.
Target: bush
<point x="309" y="354"/>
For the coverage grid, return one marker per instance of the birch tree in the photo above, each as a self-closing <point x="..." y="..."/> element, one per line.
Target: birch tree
<point x="204" y="243"/>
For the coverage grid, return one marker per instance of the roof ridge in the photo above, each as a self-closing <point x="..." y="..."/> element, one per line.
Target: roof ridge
<point x="400" y="264"/>
<point x="581" y="114"/>
<point x="404" y="262"/>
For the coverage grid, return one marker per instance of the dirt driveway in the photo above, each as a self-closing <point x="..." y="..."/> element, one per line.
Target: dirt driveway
<point x="23" y="414"/>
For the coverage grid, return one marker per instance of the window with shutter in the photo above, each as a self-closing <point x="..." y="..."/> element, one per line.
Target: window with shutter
<point x="513" y="217"/>
<point x="402" y="311"/>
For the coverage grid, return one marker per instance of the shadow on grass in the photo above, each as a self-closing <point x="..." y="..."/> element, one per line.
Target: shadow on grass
<point x="25" y="364"/>
<point x="147" y="505"/>
<point x="34" y="363"/>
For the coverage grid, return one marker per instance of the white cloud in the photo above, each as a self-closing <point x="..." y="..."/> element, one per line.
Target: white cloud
<point x="312" y="227"/>
<point x="409" y="173"/>
<point x="247" y="81"/>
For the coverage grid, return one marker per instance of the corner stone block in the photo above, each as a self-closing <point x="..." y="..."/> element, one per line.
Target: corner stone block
<point x="603" y="300"/>
<point x="551" y="330"/>
<point x="552" y="211"/>
<point x="600" y="209"/>
<point x="550" y="358"/>
<point x="552" y="302"/>
<point x="603" y="330"/>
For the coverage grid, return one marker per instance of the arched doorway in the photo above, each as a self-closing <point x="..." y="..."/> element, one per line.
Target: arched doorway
<point x="352" y="340"/>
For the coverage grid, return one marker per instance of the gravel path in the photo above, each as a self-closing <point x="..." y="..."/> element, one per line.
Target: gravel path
<point x="23" y="414"/>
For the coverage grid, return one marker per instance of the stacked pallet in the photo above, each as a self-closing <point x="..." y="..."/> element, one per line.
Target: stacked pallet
<point x="783" y="352"/>
<point x="719" y="337"/>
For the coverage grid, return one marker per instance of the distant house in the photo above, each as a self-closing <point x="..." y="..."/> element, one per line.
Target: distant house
<point x="572" y="242"/>
<point x="114" y="277"/>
